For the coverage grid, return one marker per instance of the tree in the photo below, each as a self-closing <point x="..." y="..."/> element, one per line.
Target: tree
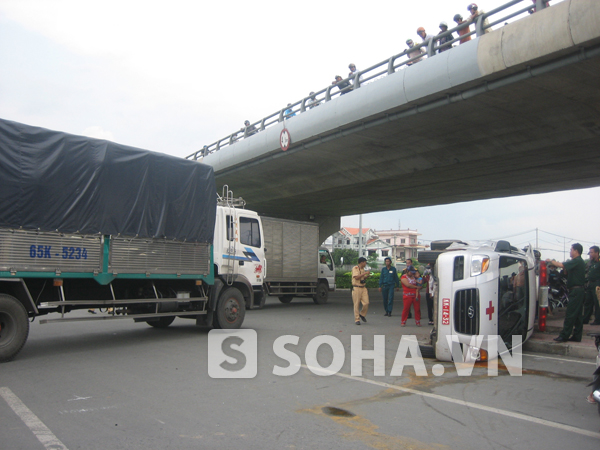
<point x="372" y="261"/>
<point x="350" y="256"/>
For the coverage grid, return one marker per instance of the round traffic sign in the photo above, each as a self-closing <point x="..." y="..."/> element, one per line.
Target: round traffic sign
<point x="285" y="139"/>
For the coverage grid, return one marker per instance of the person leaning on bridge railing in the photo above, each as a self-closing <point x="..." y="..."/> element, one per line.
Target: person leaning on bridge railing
<point x="249" y="130"/>
<point x="343" y="86"/>
<point x="428" y="40"/>
<point x="413" y="53"/>
<point x="444" y="39"/>
<point x="289" y="113"/>
<point x="352" y="74"/>
<point x="467" y="29"/>
<point x="475" y="13"/>
<point x="424" y="35"/>
<point x="312" y="101"/>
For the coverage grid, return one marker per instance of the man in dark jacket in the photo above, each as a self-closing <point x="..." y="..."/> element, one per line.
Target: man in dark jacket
<point x="388" y="281"/>
<point x="444" y="39"/>
<point x="250" y="129"/>
<point x="343" y="86"/>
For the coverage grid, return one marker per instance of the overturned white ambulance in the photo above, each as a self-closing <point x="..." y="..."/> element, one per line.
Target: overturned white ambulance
<point x="484" y="294"/>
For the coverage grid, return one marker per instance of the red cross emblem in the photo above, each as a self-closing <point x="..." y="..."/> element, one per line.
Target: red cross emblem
<point x="490" y="310"/>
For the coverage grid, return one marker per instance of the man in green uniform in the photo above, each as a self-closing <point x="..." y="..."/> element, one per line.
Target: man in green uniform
<point x="575" y="268"/>
<point x="590" y="303"/>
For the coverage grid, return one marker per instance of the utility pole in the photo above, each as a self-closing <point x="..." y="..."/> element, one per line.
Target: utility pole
<point x="360" y="252"/>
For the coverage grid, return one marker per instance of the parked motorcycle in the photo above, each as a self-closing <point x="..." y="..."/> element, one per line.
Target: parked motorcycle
<point x="558" y="294"/>
<point x="596" y="379"/>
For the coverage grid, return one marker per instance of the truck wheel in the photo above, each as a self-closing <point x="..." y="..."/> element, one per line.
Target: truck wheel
<point x="14" y="327"/>
<point x="231" y="309"/>
<point x="161" y="322"/>
<point x="259" y="301"/>
<point x="286" y="298"/>
<point x="322" y="293"/>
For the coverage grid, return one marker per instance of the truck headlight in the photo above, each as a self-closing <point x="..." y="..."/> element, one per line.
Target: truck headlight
<point x="479" y="264"/>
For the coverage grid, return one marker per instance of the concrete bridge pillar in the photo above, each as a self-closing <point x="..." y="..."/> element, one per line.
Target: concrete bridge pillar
<point x="327" y="226"/>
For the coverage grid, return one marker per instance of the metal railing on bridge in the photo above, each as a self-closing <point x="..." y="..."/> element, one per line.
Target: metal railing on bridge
<point x="387" y="67"/>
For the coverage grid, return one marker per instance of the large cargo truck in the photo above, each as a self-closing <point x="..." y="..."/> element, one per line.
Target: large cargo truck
<point x="88" y="224"/>
<point x="484" y="294"/>
<point x="296" y="265"/>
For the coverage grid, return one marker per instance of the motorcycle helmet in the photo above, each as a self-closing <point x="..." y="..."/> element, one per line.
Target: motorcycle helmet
<point x="457" y="17"/>
<point x="443" y="24"/>
<point x="472" y="7"/>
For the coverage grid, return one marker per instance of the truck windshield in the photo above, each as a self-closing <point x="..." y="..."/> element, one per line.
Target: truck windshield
<point x="325" y="259"/>
<point x="513" y="298"/>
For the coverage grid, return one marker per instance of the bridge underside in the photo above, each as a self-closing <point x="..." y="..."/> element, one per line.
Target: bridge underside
<point x="533" y="136"/>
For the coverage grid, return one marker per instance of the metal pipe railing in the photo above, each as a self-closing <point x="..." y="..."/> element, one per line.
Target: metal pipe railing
<point x="373" y="73"/>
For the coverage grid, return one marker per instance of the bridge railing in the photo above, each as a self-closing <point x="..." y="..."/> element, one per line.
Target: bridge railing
<point x="373" y="73"/>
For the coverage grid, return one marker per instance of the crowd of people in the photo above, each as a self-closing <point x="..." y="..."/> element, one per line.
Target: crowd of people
<point x="412" y="282"/>
<point x="442" y="42"/>
<point x="583" y="284"/>
<point x="444" y="39"/>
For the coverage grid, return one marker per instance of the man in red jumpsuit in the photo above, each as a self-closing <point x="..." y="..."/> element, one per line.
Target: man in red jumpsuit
<point x="410" y="286"/>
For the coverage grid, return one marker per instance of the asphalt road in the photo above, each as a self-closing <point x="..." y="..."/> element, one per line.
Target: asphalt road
<point x="124" y="385"/>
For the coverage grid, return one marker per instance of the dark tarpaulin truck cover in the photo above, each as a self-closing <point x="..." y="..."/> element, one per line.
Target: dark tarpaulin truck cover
<point x="54" y="181"/>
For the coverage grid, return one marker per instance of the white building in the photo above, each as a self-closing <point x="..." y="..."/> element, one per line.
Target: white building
<point x="403" y="243"/>
<point x="397" y="244"/>
<point x="348" y="238"/>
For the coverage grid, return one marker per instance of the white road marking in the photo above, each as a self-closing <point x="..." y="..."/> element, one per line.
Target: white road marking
<point x="443" y="398"/>
<point x="37" y="427"/>
<point x="559" y="359"/>
<point x="77" y="397"/>
<point x="83" y="410"/>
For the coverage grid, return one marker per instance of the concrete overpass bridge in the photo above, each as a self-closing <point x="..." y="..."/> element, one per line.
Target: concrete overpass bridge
<point x="514" y="111"/>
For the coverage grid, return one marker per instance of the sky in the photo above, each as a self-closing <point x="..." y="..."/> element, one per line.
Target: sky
<point x="174" y="76"/>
